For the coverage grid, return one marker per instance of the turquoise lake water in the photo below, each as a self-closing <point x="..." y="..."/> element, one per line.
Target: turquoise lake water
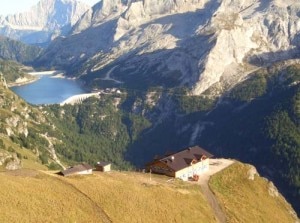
<point x="48" y="90"/>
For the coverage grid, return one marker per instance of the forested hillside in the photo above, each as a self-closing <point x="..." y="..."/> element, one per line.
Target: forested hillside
<point x="17" y="51"/>
<point x="13" y="56"/>
<point x="89" y="132"/>
<point x="12" y="70"/>
<point x="97" y="130"/>
<point x="258" y="122"/>
<point x="22" y="132"/>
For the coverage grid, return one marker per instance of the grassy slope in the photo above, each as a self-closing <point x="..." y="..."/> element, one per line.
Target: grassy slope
<point x="31" y="161"/>
<point x="34" y="196"/>
<point x="31" y="196"/>
<point x="244" y="200"/>
<point x="132" y="197"/>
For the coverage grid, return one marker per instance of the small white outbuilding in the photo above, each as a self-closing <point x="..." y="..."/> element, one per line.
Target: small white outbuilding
<point x="103" y="166"/>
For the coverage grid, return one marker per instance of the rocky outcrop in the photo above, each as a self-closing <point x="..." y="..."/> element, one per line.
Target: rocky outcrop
<point x="103" y="11"/>
<point x="46" y="20"/>
<point x="4" y="155"/>
<point x="273" y="191"/>
<point x="3" y="81"/>
<point x="11" y="161"/>
<point x="14" y="163"/>
<point x="18" y="125"/>
<point x="252" y="172"/>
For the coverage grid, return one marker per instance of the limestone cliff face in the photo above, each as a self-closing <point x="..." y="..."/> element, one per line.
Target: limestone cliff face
<point x="206" y="43"/>
<point x="101" y="12"/>
<point x="46" y="19"/>
<point x="134" y="11"/>
<point x="258" y="34"/>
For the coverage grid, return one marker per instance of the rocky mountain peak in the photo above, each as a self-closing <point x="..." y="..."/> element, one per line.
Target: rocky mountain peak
<point x="43" y="20"/>
<point x="102" y="11"/>
<point x="134" y="11"/>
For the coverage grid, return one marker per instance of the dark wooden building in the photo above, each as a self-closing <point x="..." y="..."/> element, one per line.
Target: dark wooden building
<point x="184" y="164"/>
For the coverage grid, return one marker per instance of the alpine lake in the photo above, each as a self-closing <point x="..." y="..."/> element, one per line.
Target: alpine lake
<point x="48" y="89"/>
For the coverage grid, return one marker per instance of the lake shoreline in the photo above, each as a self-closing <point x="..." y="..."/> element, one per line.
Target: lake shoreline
<point x="31" y="77"/>
<point x="47" y="72"/>
<point x="22" y="81"/>
<point x="48" y="88"/>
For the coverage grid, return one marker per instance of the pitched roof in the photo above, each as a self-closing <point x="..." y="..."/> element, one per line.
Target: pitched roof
<point x="76" y="169"/>
<point x="183" y="159"/>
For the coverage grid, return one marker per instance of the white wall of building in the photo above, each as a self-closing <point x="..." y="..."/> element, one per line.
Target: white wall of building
<point x="194" y="169"/>
<point x="85" y="172"/>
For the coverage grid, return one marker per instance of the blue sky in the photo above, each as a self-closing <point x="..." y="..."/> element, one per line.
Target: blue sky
<point x="14" y="6"/>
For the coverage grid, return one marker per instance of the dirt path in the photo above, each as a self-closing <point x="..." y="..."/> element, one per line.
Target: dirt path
<point x="215" y="166"/>
<point x="104" y="217"/>
<point x="212" y="201"/>
<point x="108" y="78"/>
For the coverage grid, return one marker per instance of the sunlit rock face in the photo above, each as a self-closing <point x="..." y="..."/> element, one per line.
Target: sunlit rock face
<point x="206" y="43"/>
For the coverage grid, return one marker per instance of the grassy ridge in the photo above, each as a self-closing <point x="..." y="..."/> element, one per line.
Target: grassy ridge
<point x="245" y="200"/>
<point x="132" y="197"/>
<point x="35" y="196"/>
<point x="32" y="196"/>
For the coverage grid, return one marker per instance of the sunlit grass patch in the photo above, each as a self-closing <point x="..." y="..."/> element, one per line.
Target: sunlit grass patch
<point x="245" y="200"/>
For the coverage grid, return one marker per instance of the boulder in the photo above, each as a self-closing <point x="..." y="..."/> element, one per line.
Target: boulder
<point x="252" y="172"/>
<point x="14" y="163"/>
